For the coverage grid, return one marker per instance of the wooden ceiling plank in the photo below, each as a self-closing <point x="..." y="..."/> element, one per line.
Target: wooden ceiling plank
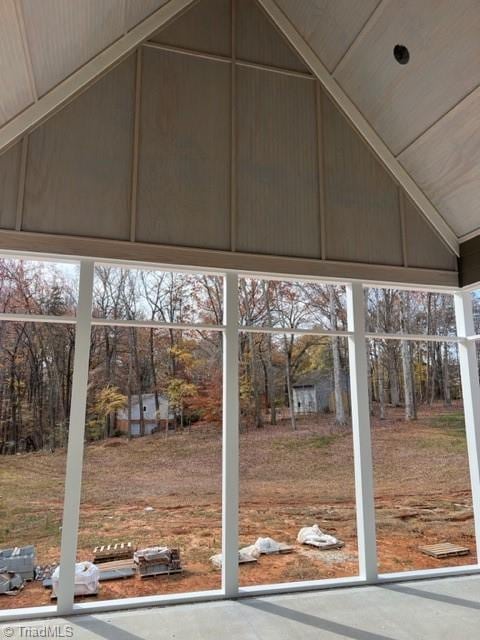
<point x="445" y="162"/>
<point x="15" y="86"/>
<point x="64" y="34"/>
<point x="402" y="101"/>
<point x="362" y="125"/>
<point x="33" y="115"/>
<point x="329" y="27"/>
<point x="137" y="11"/>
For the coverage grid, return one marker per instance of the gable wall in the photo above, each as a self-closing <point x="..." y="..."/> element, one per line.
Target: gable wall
<point x="173" y="149"/>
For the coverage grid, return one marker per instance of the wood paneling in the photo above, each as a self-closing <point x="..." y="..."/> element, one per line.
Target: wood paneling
<point x="184" y="162"/>
<point x="64" y="34"/>
<point x="424" y="247"/>
<point x="362" y="215"/>
<point x="15" y="87"/>
<point x="205" y="27"/>
<point x="138" y="10"/>
<point x="445" y="162"/>
<point x="469" y="262"/>
<point x="277" y="180"/>
<point x="9" y="174"/>
<point x="328" y="27"/>
<point x="79" y="163"/>
<point x="401" y="101"/>
<point x="258" y="40"/>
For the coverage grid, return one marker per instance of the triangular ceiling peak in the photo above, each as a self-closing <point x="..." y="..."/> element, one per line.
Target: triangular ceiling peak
<point x="225" y="141"/>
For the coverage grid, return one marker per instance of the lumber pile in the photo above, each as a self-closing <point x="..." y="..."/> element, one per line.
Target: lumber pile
<point x="155" y="561"/>
<point x="111" y="552"/>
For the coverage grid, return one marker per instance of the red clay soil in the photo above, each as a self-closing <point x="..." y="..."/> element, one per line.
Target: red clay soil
<point x="288" y="480"/>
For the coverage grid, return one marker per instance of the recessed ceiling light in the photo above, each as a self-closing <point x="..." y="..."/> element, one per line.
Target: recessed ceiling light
<point x="401" y="54"/>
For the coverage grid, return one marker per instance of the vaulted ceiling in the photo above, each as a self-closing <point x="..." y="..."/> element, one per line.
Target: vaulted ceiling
<point x="421" y="118"/>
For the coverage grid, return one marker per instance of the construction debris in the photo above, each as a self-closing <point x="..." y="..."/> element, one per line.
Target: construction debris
<point x="444" y="550"/>
<point x="315" y="537"/>
<point x="243" y="558"/>
<point x="86" y="579"/>
<point x="21" y="560"/>
<point x="266" y="546"/>
<point x="44" y="572"/>
<point x="116" y="570"/>
<point x="156" y="561"/>
<point x="107" y="553"/>
<point x="10" y="582"/>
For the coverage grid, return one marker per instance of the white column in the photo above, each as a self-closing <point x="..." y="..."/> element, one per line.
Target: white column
<point x="471" y="397"/>
<point x="230" y="470"/>
<point x="76" y="434"/>
<point x="362" y="446"/>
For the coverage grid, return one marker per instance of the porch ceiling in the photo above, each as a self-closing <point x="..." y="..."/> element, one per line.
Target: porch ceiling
<point x="421" y="118"/>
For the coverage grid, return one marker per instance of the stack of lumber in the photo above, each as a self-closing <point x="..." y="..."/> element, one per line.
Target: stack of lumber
<point x="155" y="561"/>
<point x="111" y="552"/>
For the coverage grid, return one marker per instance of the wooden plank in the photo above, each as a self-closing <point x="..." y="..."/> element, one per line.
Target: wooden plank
<point x="64" y="34"/>
<point x="184" y="155"/>
<point x="329" y="27"/>
<point x="258" y="40"/>
<point x="168" y="572"/>
<point x="15" y="86"/>
<point x="21" y="184"/>
<point x="58" y="245"/>
<point x="362" y="216"/>
<point x="79" y="163"/>
<point x="9" y="181"/>
<point x="402" y="101"/>
<point x="277" y="179"/>
<point x="445" y="162"/>
<point x="423" y="246"/>
<point x="205" y="27"/>
<point x="137" y="11"/>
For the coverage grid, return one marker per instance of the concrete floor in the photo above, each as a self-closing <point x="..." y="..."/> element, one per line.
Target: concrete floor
<point x="447" y="608"/>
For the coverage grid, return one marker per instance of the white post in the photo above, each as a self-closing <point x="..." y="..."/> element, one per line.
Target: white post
<point x="362" y="446"/>
<point x="230" y="474"/>
<point x="467" y="354"/>
<point x="76" y="434"/>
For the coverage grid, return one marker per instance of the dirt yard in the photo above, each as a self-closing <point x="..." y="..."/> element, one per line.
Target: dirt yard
<point x="167" y="491"/>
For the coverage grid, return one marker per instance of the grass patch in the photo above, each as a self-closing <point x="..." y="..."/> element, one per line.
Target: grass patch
<point x="312" y="442"/>
<point x="451" y="423"/>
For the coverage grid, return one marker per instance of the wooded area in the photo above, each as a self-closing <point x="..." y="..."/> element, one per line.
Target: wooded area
<point x="185" y="366"/>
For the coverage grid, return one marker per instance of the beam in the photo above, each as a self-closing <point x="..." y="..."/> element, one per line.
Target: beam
<point x="18" y="242"/>
<point x="360" y="123"/>
<point x="82" y="79"/>
<point x="467" y="355"/>
<point x="76" y="437"/>
<point x="230" y="447"/>
<point x="362" y="444"/>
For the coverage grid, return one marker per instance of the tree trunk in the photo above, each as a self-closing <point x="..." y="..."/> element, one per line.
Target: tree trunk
<point x="154" y="381"/>
<point x="340" y="416"/>
<point x="447" y="396"/>
<point x="407" y="365"/>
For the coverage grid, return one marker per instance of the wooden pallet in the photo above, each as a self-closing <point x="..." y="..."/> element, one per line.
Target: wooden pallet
<point x="328" y="547"/>
<point x="444" y="550"/>
<point x="284" y="548"/>
<point x="118" y="551"/>
<point x="165" y="572"/>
